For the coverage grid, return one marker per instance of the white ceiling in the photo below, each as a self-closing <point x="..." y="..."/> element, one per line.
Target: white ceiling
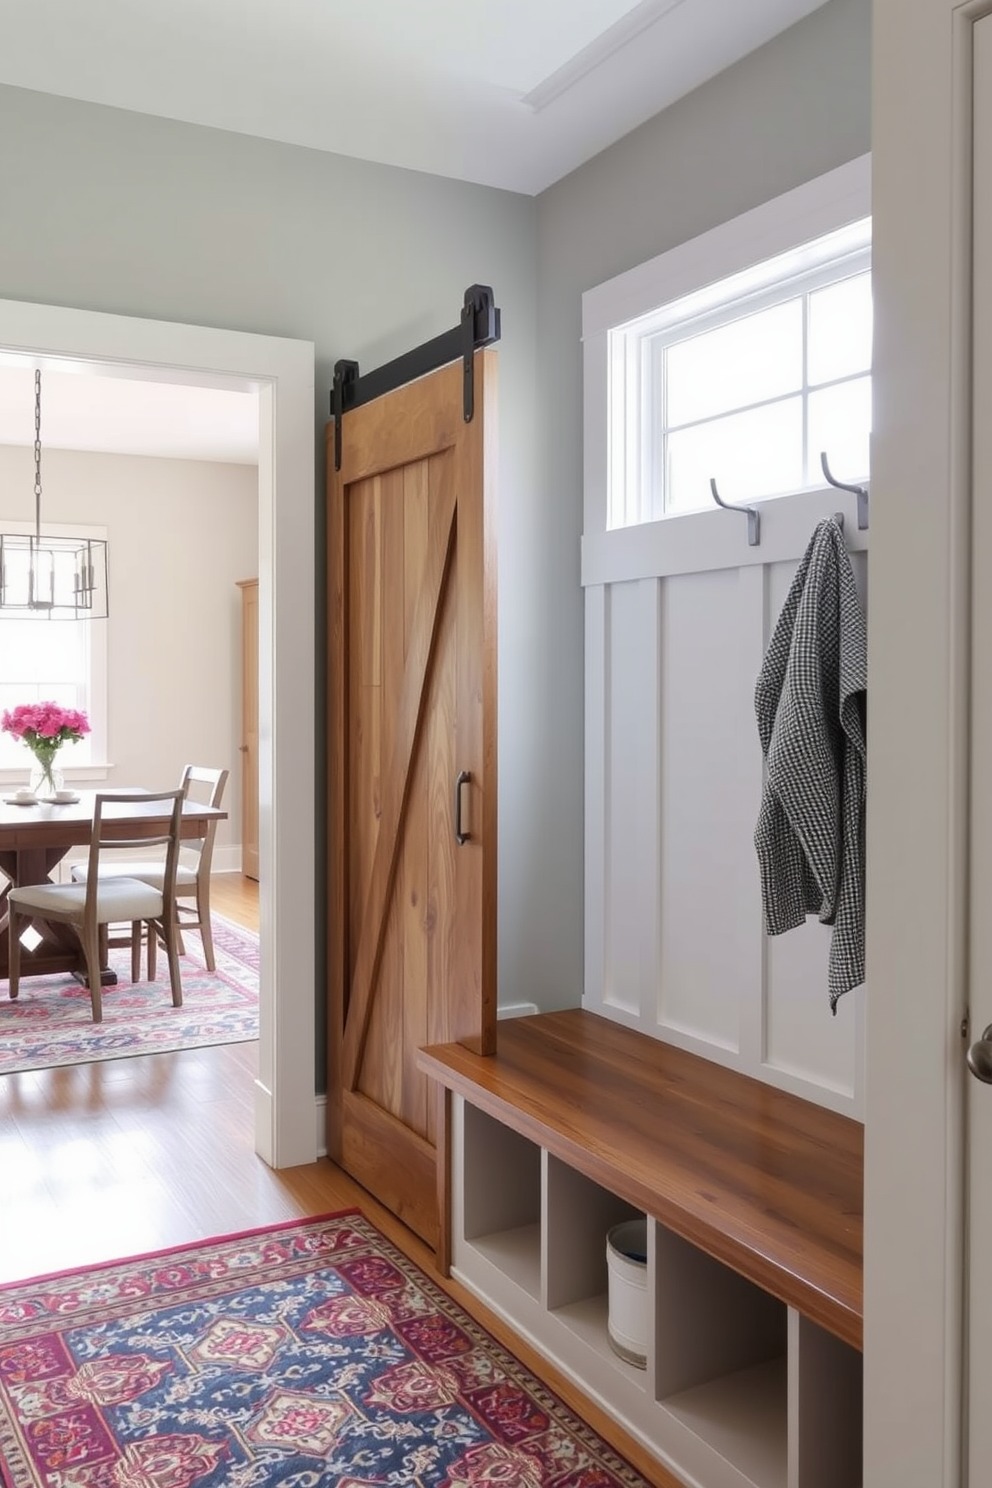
<point x="89" y="408"/>
<point x="509" y="93"/>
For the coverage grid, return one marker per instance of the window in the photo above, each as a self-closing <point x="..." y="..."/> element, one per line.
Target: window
<point x="61" y="660"/>
<point x="745" y="383"/>
<point x="737" y="356"/>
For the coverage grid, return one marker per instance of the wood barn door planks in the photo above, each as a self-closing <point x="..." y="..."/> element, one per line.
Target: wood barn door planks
<point x="412" y="699"/>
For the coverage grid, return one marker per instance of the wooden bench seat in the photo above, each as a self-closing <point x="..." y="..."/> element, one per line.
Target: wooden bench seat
<point x="767" y="1183"/>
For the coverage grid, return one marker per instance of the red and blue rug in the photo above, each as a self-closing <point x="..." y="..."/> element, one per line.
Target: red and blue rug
<point x="51" y="1023"/>
<point x="307" y="1355"/>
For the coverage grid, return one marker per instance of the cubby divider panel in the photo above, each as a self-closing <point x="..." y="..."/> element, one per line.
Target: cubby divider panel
<point x="825" y="1408"/>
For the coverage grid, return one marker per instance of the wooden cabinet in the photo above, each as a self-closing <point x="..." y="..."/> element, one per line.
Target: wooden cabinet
<point x="249" y="727"/>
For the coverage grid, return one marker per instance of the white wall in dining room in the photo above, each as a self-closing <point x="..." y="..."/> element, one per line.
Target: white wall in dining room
<point x="181" y="533"/>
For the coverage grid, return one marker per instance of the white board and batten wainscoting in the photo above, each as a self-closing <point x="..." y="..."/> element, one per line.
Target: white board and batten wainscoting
<point x="741" y="1390"/>
<point x="675" y="944"/>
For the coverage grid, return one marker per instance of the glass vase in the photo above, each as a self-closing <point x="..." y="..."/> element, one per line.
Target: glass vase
<point x="46" y="778"/>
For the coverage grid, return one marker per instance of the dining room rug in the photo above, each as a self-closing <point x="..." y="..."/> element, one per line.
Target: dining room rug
<point x="303" y="1355"/>
<point x="51" y="1023"/>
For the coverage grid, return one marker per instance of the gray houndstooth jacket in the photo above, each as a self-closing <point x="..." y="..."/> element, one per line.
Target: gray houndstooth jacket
<point x="810" y="702"/>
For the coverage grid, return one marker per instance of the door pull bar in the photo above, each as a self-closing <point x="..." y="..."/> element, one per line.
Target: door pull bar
<point x="463" y="777"/>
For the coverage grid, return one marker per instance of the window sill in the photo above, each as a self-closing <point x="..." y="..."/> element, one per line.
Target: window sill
<point x="77" y="774"/>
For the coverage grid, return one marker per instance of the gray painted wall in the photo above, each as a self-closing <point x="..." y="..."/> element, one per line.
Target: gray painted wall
<point x="107" y="210"/>
<point x="792" y="110"/>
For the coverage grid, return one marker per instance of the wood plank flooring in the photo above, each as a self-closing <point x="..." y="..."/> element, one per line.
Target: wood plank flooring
<point x="109" y="1160"/>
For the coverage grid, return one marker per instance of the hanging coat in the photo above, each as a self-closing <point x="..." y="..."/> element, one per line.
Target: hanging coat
<point x="810" y="702"/>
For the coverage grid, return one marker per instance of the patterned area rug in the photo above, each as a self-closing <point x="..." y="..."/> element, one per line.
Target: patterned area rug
<point x="309" y="1355"/>
<point x="51" y="1023"/>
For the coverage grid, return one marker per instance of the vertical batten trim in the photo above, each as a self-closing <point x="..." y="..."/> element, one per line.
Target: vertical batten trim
<point x="596" y="788"/>
<point x="753" y="640"/>
<point x="650" y="825"/>
<point x="606" y="981"/>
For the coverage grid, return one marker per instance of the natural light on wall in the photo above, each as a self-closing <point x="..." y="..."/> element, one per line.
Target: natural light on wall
<point x="745" y="382"/>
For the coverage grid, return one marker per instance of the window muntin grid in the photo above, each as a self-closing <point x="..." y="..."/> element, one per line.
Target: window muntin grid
<point x="747" y="387"/>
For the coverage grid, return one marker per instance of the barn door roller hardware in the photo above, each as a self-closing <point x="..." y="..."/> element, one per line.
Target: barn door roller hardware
<point x="479" y="326"/>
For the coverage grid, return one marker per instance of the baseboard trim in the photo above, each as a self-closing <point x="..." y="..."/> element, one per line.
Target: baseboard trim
<point x="264" y="1124"/>
<point x="517" y="1010"/>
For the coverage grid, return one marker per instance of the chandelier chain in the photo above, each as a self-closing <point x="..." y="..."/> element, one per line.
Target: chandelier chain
<point x="37" y="452"/>
<point x="59" y="577"/>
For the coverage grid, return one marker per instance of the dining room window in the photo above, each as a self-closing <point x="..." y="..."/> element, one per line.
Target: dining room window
<point x="62" y="661"/>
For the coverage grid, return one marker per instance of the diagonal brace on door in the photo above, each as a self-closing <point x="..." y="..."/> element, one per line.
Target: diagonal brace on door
<point x="413" y="694"/>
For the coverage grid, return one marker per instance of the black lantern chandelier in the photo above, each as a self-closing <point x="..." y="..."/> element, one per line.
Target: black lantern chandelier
<point x="54" y="578"/>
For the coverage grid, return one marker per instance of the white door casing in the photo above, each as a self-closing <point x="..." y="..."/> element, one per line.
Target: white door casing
<point x="282" y="372"/>
<point x="919" y="811"/>
<point x="978" y="1326"/>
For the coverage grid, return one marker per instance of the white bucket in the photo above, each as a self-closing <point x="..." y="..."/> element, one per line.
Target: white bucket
<point x="626" y="1260"/>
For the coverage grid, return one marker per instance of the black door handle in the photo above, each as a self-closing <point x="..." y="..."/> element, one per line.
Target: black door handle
<point x="463" y="777"/>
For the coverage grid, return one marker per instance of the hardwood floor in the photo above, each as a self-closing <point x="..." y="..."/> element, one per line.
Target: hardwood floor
<point x="108" y="1160"/>
<point x="236" y="898"/>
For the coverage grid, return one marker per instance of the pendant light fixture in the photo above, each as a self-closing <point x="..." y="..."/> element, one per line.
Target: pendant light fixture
<point x="55" y="578"/>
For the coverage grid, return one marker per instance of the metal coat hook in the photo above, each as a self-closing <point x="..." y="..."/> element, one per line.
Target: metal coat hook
<point x="753" y="516"/>
<point x="860" y="491"/>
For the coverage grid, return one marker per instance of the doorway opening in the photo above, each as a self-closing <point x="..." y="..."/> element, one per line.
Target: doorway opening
<point x="280" y="373"/>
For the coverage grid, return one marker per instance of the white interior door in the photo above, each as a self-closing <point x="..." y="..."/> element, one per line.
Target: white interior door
<point x="979" y="1097"/>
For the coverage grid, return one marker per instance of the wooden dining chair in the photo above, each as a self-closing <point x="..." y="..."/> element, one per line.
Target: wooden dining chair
<point x="192" y="873"/>
<point x="109" y="899"/>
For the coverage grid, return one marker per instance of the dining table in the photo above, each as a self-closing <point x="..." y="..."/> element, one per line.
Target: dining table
<point x="34" y="839"/>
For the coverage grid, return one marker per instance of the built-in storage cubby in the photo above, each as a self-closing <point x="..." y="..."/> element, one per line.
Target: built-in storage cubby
<point x="720" y="1357"/>
<point x="753" y="1375"/>
<point x="578" y="1215"/>
<point x="502" y="1199"/>
<point x="825" y="1410"/>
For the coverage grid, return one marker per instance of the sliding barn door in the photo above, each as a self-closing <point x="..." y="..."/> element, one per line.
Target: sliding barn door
<point x="412" y="727"/>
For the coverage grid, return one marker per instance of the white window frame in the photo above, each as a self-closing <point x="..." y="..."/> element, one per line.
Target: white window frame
<point x="814" y="210"/>
<point x="638" y="425"/>
<point x="98" y="766"/>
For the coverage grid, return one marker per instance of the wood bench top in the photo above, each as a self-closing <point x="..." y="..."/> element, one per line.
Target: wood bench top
<point x="767" y="1183"/>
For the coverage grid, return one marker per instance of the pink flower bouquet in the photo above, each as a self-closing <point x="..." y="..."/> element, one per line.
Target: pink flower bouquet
<point x="44" y="728"/>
